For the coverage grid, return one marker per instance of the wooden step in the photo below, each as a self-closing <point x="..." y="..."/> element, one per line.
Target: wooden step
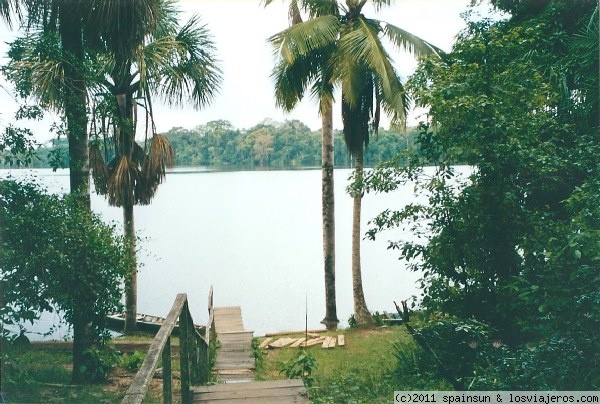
<point x="273" y="391"/>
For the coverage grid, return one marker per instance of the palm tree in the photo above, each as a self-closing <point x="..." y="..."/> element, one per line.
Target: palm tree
<point x="291" y="82"/>
<point x="349" y="44"/>
<point x="64" y="89"/>
<point x="145" y="58"/>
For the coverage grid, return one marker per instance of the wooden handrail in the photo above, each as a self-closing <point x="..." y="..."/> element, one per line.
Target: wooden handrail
<point x="193" y="352"/>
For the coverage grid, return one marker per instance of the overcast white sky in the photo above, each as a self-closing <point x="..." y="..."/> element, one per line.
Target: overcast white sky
<point x="240" y="29"/>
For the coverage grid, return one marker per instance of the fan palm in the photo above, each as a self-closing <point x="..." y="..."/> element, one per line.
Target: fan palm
<point x="350" y="47"/>
<point x="64" y="89"/>
<point x="145" y="58"/>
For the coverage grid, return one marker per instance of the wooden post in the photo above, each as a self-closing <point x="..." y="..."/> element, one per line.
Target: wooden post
<point x="193" y="336"/>
<point x="203" y="365"/>
<point x="184" y="354"/>
<point x="137" y="391"/>
<point x="167" y="373"/>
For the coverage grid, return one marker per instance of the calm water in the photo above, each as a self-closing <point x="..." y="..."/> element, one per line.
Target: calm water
<point x="255" y="236"/>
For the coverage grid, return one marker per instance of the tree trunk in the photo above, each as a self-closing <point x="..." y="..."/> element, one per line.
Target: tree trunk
<point x="76" y="116"/>
<point x="331" y="321"/>
<point x="131" y="289"/>
<point x="361" y="312"/>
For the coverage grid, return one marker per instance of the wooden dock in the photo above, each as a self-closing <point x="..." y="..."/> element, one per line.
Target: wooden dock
<point x="235" y="358"/>
<point x="234" y="368"/>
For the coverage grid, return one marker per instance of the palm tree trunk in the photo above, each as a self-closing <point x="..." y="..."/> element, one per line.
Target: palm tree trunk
<point x="361" y="312"/>
<point x="331" y="321"/>
<point x="76" y="117"/>
<point x="131" y="290"/>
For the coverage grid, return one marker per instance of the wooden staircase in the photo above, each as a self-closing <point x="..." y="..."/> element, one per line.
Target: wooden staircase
<point x="234" y="368"/>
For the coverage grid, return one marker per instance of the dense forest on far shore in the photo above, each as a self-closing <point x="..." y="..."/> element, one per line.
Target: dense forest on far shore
<point x="267" y="144"/>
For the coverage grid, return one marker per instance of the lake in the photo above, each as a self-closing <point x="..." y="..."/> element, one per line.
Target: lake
<point x="255" y="237"/>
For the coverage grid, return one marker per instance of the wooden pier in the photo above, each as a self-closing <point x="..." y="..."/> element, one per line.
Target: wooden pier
<point x="234" y="368"/>
<point x="235" y="358"/>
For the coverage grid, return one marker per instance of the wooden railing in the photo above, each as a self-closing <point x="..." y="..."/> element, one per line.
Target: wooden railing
<point x="194" y="354"/>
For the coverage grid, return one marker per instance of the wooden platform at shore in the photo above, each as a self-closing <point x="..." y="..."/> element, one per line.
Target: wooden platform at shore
<point x="235" y="366"/>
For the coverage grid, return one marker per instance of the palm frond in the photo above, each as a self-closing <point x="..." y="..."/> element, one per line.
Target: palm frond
<point x="122" y="183"/>
<point x="361" y="43"/>
<point x="406" y="41"/>
<point x="379" y="4"/>
<point x="161" y="157"/>
<point x="37" y="64"/>
<point x="356" y="116"/>
<point x="124" y="25"/>
<point x="294" y="15"/>
<point x="9" y="9"/>
<point x="304" y="38"/>
<point x="315" y="8"/>
<point x="100" y="172"/>
<point x="167" y="22"/>
<point x="185" y="67"/>
<point x="292" y="80"/>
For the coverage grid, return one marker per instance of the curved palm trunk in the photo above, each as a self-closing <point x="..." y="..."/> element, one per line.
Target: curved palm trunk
<point x="331" y="321"/>
<point x="361" y="312"/>
<point x="76" y="117"/>
<point x="131" y="290"/>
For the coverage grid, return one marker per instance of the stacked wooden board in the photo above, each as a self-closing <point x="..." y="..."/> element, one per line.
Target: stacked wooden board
<point x="302" y="342"/>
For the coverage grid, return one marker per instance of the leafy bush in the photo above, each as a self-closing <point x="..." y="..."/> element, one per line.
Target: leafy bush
<point x="56" y="255"/>
<point x="481" y="362"/>
<point x="132" y="361"/>
<point x="99" y="363"/>
<point x="300" y="366"/>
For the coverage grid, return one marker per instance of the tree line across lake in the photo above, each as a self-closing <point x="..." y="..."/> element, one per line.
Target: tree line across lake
<point x="267" y="144"/>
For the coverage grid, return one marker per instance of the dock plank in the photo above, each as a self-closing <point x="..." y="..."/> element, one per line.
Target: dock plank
<point x="274" y="391"/>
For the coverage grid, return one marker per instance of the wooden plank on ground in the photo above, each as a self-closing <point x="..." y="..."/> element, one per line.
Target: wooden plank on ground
<point x="282" y="342"/>
<point x="341" y="340"/>
<point x="298" y="342"/>
<point x="314" y="341"/>
<point x="265" y="342"/>
<point x="329" y="342"/>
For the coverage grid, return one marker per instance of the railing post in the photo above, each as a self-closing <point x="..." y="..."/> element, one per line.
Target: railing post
<point x="167" y="373"/>
<point x="184" y="355"/>
<point x="203" y="362"/>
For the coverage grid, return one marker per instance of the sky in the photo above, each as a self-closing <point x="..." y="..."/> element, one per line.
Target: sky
<point x="240" y="29"/>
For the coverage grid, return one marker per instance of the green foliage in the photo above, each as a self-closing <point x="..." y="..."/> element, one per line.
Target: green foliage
<point x="377" y="317"/>
<point x="301" y="366"/>
<point x="57" y="256"/>
<point x="17" y="146"/>
<point x="44" y="377"/>
<point x="132" y="361"/>
<point x="100" y="362"/>
<point x="355" y="388"/>
<point x="514" y="245"/>
<point x="271" y="144"/>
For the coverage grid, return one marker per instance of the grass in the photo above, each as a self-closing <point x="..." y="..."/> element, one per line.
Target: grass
<point x="372" y="365"/>
<point x="364" y="371"/>
<point x="42" y="374"/>
<point x="45" y="377"/>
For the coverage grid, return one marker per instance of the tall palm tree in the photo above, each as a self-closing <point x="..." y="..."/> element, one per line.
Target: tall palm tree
<point x="63" y="88"/>
<point x="291" y="81"/>
<point x="145" y="58"/>
<point x="363" y="70"/>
